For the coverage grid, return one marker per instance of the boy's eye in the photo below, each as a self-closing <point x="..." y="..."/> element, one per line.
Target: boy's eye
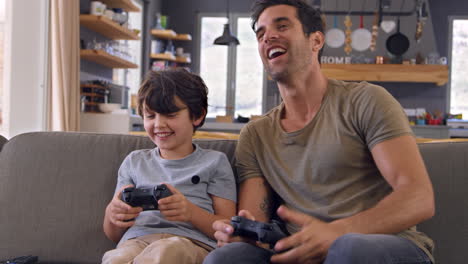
<point x="149" y="116"/>
<point x="172" y="115"/>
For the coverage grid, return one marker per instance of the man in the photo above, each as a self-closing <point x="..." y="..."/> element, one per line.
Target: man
<point x="341" y="157"/>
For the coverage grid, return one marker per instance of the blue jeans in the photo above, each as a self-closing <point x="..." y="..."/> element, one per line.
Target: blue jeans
<point x="347" y="249"/>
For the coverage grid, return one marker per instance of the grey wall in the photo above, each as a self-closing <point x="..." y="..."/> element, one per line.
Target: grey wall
<point x="90" y="70"/>
<point x="410" y="95"/>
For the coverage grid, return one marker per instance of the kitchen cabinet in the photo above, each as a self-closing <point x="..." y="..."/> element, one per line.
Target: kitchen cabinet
<point x="428" y="131"/>
<point x="168" y="34"/>
<point x="388" y="72"/>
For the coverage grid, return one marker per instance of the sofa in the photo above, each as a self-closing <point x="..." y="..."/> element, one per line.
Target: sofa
<point x="54" y="187"/>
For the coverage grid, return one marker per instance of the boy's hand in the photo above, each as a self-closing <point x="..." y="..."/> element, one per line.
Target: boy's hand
<point x="176" y="207"/>
<point x="119" y="213"/>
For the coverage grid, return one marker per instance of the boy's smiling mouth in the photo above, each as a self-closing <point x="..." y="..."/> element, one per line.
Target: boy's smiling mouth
<point x="163" y="134"/>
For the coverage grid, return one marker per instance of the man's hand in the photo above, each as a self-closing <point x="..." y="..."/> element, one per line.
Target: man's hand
<point x="310" y="244"/>
<point x="121" y="214"/>
<point x="223" y="229"/>
<point x="176" y="207"/>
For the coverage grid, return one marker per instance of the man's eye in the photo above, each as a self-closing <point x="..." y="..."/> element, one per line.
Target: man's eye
<point x="259" y="36"/>
<point x="282" y="26"/>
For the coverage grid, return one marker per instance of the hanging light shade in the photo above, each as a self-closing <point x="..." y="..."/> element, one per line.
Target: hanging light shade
<point x="227" y="38"/>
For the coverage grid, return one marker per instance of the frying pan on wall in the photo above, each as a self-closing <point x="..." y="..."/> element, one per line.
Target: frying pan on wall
<point x="335" y="37"/>
<point x="361" y="38"/>
<point x="397" y="44"/>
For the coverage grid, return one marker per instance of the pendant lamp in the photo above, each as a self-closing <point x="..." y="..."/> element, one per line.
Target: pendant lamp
<point x="227" y="38"/>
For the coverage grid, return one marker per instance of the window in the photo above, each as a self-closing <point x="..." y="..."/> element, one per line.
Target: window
<point x="459" y="64"/>
<point x="2" y="30"/>
<point x="234" y="74"/>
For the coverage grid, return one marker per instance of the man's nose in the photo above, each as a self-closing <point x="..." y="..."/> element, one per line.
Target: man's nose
<point x="269" y="36"/>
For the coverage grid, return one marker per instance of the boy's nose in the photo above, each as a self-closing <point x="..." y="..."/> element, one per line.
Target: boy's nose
<point x="159" y="121"/>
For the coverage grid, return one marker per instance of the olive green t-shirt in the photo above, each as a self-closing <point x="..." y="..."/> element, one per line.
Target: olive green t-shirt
<point x="326" y="168"/>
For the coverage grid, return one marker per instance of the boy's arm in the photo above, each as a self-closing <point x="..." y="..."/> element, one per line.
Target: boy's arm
<point x="203" y="220"/>
<point x="178" y="208"/>
<point x="117" y="212"/>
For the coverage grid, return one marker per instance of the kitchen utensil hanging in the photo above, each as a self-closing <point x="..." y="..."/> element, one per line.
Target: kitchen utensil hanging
<point x="397" y="44"/>
<point x="421" y="20"/>
<point x="335" y="37"/>
<point x="361" y="37"/>
<point x="348" y="24"/>
<point x="375" y="32"/>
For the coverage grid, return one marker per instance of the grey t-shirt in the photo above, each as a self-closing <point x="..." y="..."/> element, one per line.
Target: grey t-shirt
<point x="146" y="168"/>
<point x="326" y="169"/>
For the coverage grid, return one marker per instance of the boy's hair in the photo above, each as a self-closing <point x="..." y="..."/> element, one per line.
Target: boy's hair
<point x="159" y="89"/>
<point x="310" y="18"/>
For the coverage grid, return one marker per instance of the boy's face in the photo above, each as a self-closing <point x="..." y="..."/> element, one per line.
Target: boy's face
<point x="172" y="133"/>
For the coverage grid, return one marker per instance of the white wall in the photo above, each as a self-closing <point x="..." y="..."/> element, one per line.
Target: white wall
<point x="24" y="97"/>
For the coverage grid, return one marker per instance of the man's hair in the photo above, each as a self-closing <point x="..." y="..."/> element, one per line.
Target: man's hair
<point x="310" y="18"/>
<point x="159" y="89"/>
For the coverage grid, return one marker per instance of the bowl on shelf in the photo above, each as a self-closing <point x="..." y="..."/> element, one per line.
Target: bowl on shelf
<point x="107" y="108"/>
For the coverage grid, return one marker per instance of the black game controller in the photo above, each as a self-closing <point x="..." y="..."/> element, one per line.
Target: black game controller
<point x="268" y="233"/>
<point x="21" y="260"/>
<point x="146" y="198"/>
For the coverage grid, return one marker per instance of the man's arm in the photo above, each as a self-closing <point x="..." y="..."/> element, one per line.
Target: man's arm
<point x="412" y="198"/>
<point x="256" y="196"/>
<point x="410" y="202"/>
<point x="254" y="203"/>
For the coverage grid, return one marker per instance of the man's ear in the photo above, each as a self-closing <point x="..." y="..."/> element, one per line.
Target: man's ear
<point x="317" y="40"/>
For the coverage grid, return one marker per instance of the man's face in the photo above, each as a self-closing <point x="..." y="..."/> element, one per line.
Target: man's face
<point x="282" y="44"/>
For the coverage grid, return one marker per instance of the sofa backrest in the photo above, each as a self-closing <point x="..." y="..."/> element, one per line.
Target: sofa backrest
<point x="447" y="164"/>
<point x="54" y="188"/>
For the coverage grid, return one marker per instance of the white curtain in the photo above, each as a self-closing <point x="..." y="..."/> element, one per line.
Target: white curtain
<point x="64" y="95"/>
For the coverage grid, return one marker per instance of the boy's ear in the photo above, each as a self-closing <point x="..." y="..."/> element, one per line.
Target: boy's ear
<point x="196" y="122"/>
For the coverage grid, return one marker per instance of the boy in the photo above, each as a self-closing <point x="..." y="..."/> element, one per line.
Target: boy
<point x="173" y="105"/>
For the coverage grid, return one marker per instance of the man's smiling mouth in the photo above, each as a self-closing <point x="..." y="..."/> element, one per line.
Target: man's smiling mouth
<point x="275" y="52"/>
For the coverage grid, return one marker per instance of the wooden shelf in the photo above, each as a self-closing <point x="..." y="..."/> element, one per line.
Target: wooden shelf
<point x="388" y="72"/>
<point x="104" y="58"/>
<point x="126" y="5"/>
<point x="170" y="34"/>
<point x="163" y="56"/>
<point x="182" y="60"/>
<point x="170" y="57"/>
<point x="107" y="27"/>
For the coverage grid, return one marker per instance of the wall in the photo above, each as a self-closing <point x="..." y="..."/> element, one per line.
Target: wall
<point x="410" y="95"/>
<point x="90" y="70"/>
<point x="25" y="66"/>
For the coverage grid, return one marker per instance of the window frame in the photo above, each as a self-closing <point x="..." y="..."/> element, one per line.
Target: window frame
<point x="451" y="20"/>
<point x="231" y="62"/>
